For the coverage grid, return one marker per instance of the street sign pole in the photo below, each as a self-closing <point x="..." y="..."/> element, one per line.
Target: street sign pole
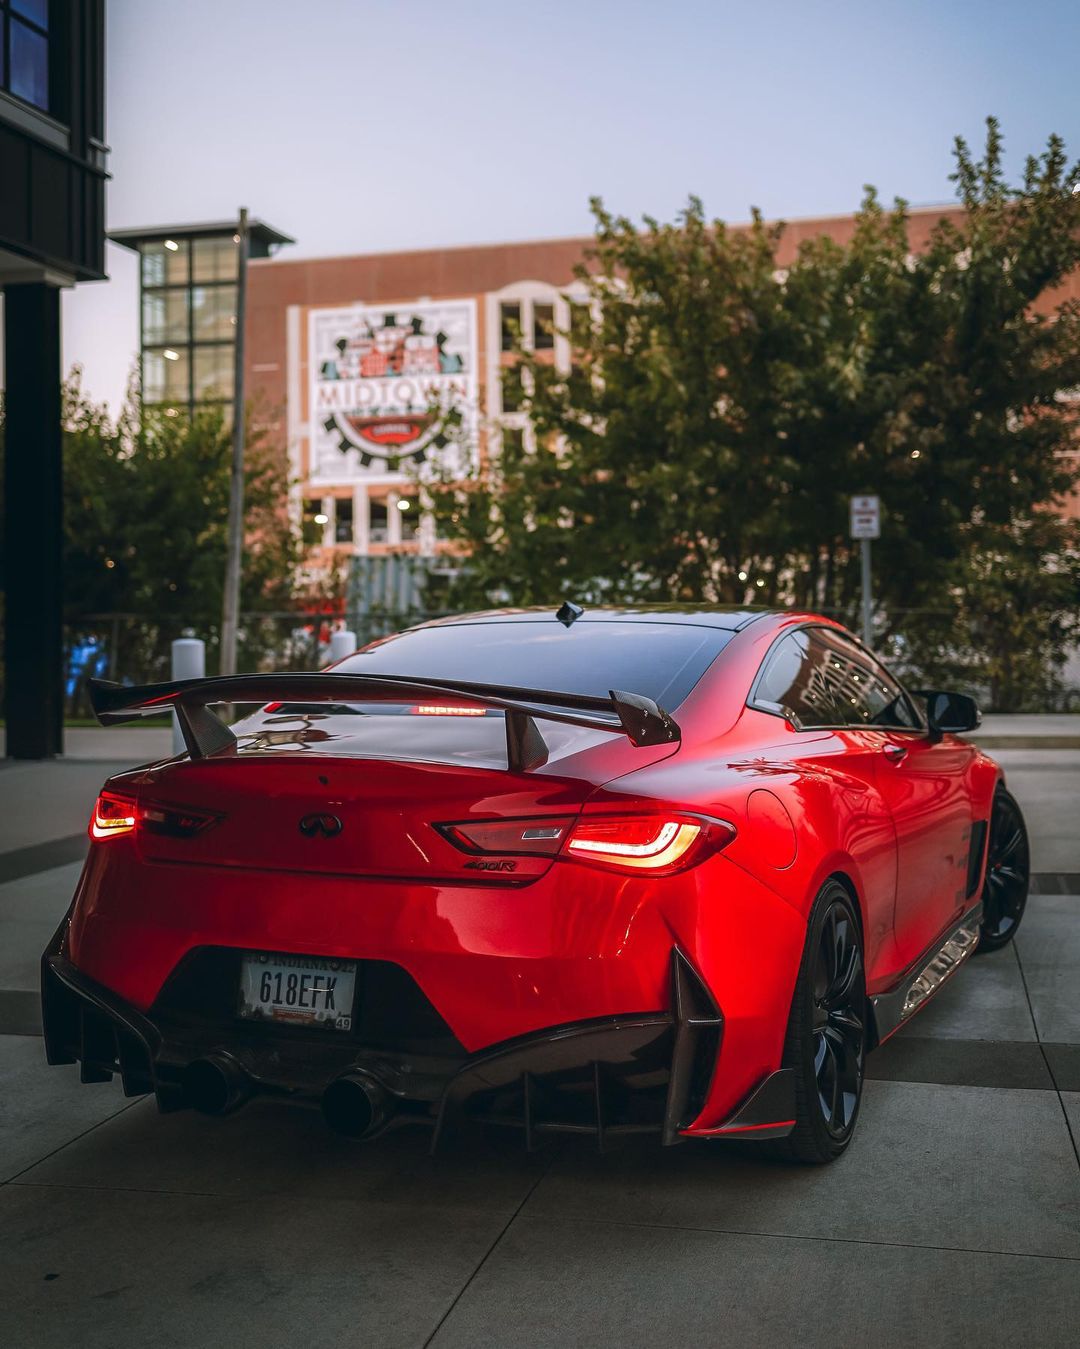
<point x="867" y="595"/>
<point x="865" y="526"/>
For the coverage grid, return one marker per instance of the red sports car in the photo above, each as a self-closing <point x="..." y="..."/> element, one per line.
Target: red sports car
<point x="595" y="872"/>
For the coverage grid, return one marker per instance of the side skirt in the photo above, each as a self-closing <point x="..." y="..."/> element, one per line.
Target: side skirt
<point x="923" y="979"/>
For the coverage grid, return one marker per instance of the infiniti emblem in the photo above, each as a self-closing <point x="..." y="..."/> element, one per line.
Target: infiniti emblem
<point x="311" y="826"/>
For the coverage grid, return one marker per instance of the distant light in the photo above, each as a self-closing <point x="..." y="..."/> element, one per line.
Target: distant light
<point x="171" y="355"/>
<point x="321" y="519"/>
<point x="916" y="454"/>
<point x="109" y="562"/>
<point x="759" y="583"/>
<point x="742" y="576"/>
<point x="171" y="245"/>
<point x="404" y="504"/>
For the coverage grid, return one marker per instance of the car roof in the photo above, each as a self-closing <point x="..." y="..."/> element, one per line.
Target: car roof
<point x="731" y="618"/>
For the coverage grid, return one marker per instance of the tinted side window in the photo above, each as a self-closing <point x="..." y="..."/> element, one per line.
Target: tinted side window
<point x="799" y="680"/>
<point x="866" y="694"/>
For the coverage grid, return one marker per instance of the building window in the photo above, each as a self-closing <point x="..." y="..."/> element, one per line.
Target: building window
<point x="213" y="313"/>
<point x="165" y="263"/>
<point x="543" y="327"/>
<point x="166" y="375"/>
<point x="189" y="290"/>
<point x="510" y="325"/>
<point x="513" y="441"/>
<point x="165" y="317"/>
<point x="215" y="259"/>
<point x="410" y="518"/>
<point x="343" y="520"/>
<point x="24" y="50"/>
<point x="312" y="522"/>
<point x="378" y="520"/>
<point x="214" y="373"/>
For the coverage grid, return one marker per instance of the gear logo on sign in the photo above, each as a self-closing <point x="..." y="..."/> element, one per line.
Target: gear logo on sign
<point x="377" y="375"/>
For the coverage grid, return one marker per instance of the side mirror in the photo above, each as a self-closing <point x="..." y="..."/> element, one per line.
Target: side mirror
<point x="949" y="713"/>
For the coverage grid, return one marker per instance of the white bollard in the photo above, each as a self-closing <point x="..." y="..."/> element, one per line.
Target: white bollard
<point x="342" y="644"/>
<point x="188" y="662"/>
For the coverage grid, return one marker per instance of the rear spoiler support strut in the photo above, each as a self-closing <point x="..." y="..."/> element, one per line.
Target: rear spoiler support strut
<point x="629" y="714"/>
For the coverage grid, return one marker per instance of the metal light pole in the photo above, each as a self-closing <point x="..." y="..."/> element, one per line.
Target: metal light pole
<point x="235" y="543"/>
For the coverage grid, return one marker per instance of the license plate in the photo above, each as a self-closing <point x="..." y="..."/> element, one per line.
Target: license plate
<point x="301" y="990"/>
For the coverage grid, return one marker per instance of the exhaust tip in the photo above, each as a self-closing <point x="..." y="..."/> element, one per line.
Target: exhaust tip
<point x="356" y="1105"/>
<point x="215" y="1085"/>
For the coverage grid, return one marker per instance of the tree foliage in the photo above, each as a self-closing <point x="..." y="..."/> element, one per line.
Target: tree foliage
<point x="145" y="509"/>
<point x="145" y="512"/>
<point x="719" y="412"/>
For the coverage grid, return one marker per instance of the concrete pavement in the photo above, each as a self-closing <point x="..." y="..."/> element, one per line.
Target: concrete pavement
<point x="954" y="1217"/>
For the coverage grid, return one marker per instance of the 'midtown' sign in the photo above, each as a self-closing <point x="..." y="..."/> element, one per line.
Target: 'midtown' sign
<point x="378" y="375"/>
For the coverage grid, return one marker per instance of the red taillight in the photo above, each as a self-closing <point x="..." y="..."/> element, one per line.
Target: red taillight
<point x="113" y="815"/>
<point x="656" y="844"/>
<point x="174" y="821"/>
<point x="542" y="836"/>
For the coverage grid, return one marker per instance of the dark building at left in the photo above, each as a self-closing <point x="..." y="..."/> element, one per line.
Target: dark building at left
<point x="52" y="234"/>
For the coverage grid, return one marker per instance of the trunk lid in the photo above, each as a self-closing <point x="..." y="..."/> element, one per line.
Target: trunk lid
<point x="362" y="795"/>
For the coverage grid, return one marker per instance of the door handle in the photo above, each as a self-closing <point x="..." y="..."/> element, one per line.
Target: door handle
<point x="895" y="753"/>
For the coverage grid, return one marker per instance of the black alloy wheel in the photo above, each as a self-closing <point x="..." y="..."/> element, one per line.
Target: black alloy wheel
<point x="826" y="1044"/>
<point x="1008" y="874"/>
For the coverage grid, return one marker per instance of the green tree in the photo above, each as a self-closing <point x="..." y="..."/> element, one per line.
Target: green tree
<point x="146" y="504"/>
<point x="720" y="412"/>
<point x="145" y="511"/>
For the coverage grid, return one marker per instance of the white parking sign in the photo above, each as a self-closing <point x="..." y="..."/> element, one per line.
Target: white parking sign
<point x="866" y="517"/>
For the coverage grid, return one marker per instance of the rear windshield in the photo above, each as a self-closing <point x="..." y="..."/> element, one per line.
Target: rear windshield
<point x="663" y="661"/>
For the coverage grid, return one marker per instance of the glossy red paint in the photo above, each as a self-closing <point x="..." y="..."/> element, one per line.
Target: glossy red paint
<point x="553" y="938"/>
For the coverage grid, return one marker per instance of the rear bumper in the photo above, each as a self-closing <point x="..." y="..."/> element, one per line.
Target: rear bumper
<point x="494" y="966"/>
<point x="647" y="1072"/>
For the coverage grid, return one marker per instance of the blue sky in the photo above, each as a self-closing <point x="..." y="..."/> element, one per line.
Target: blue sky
<point x="359" y="126"/>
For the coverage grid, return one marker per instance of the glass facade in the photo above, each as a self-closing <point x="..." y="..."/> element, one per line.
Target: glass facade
<point x="24" y="50"/>
<point x="189" y="290"/>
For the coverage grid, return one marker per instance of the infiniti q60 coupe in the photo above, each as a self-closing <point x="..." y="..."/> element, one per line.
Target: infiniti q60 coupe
<point x="589" y="871"/>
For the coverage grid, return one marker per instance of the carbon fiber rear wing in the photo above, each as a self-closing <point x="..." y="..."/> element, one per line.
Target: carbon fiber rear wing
<point x="629" y="714"/>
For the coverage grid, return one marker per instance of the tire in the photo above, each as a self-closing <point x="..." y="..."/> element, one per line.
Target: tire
<point x="826" y="1045"/>
<point x="1008" y="873"/>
